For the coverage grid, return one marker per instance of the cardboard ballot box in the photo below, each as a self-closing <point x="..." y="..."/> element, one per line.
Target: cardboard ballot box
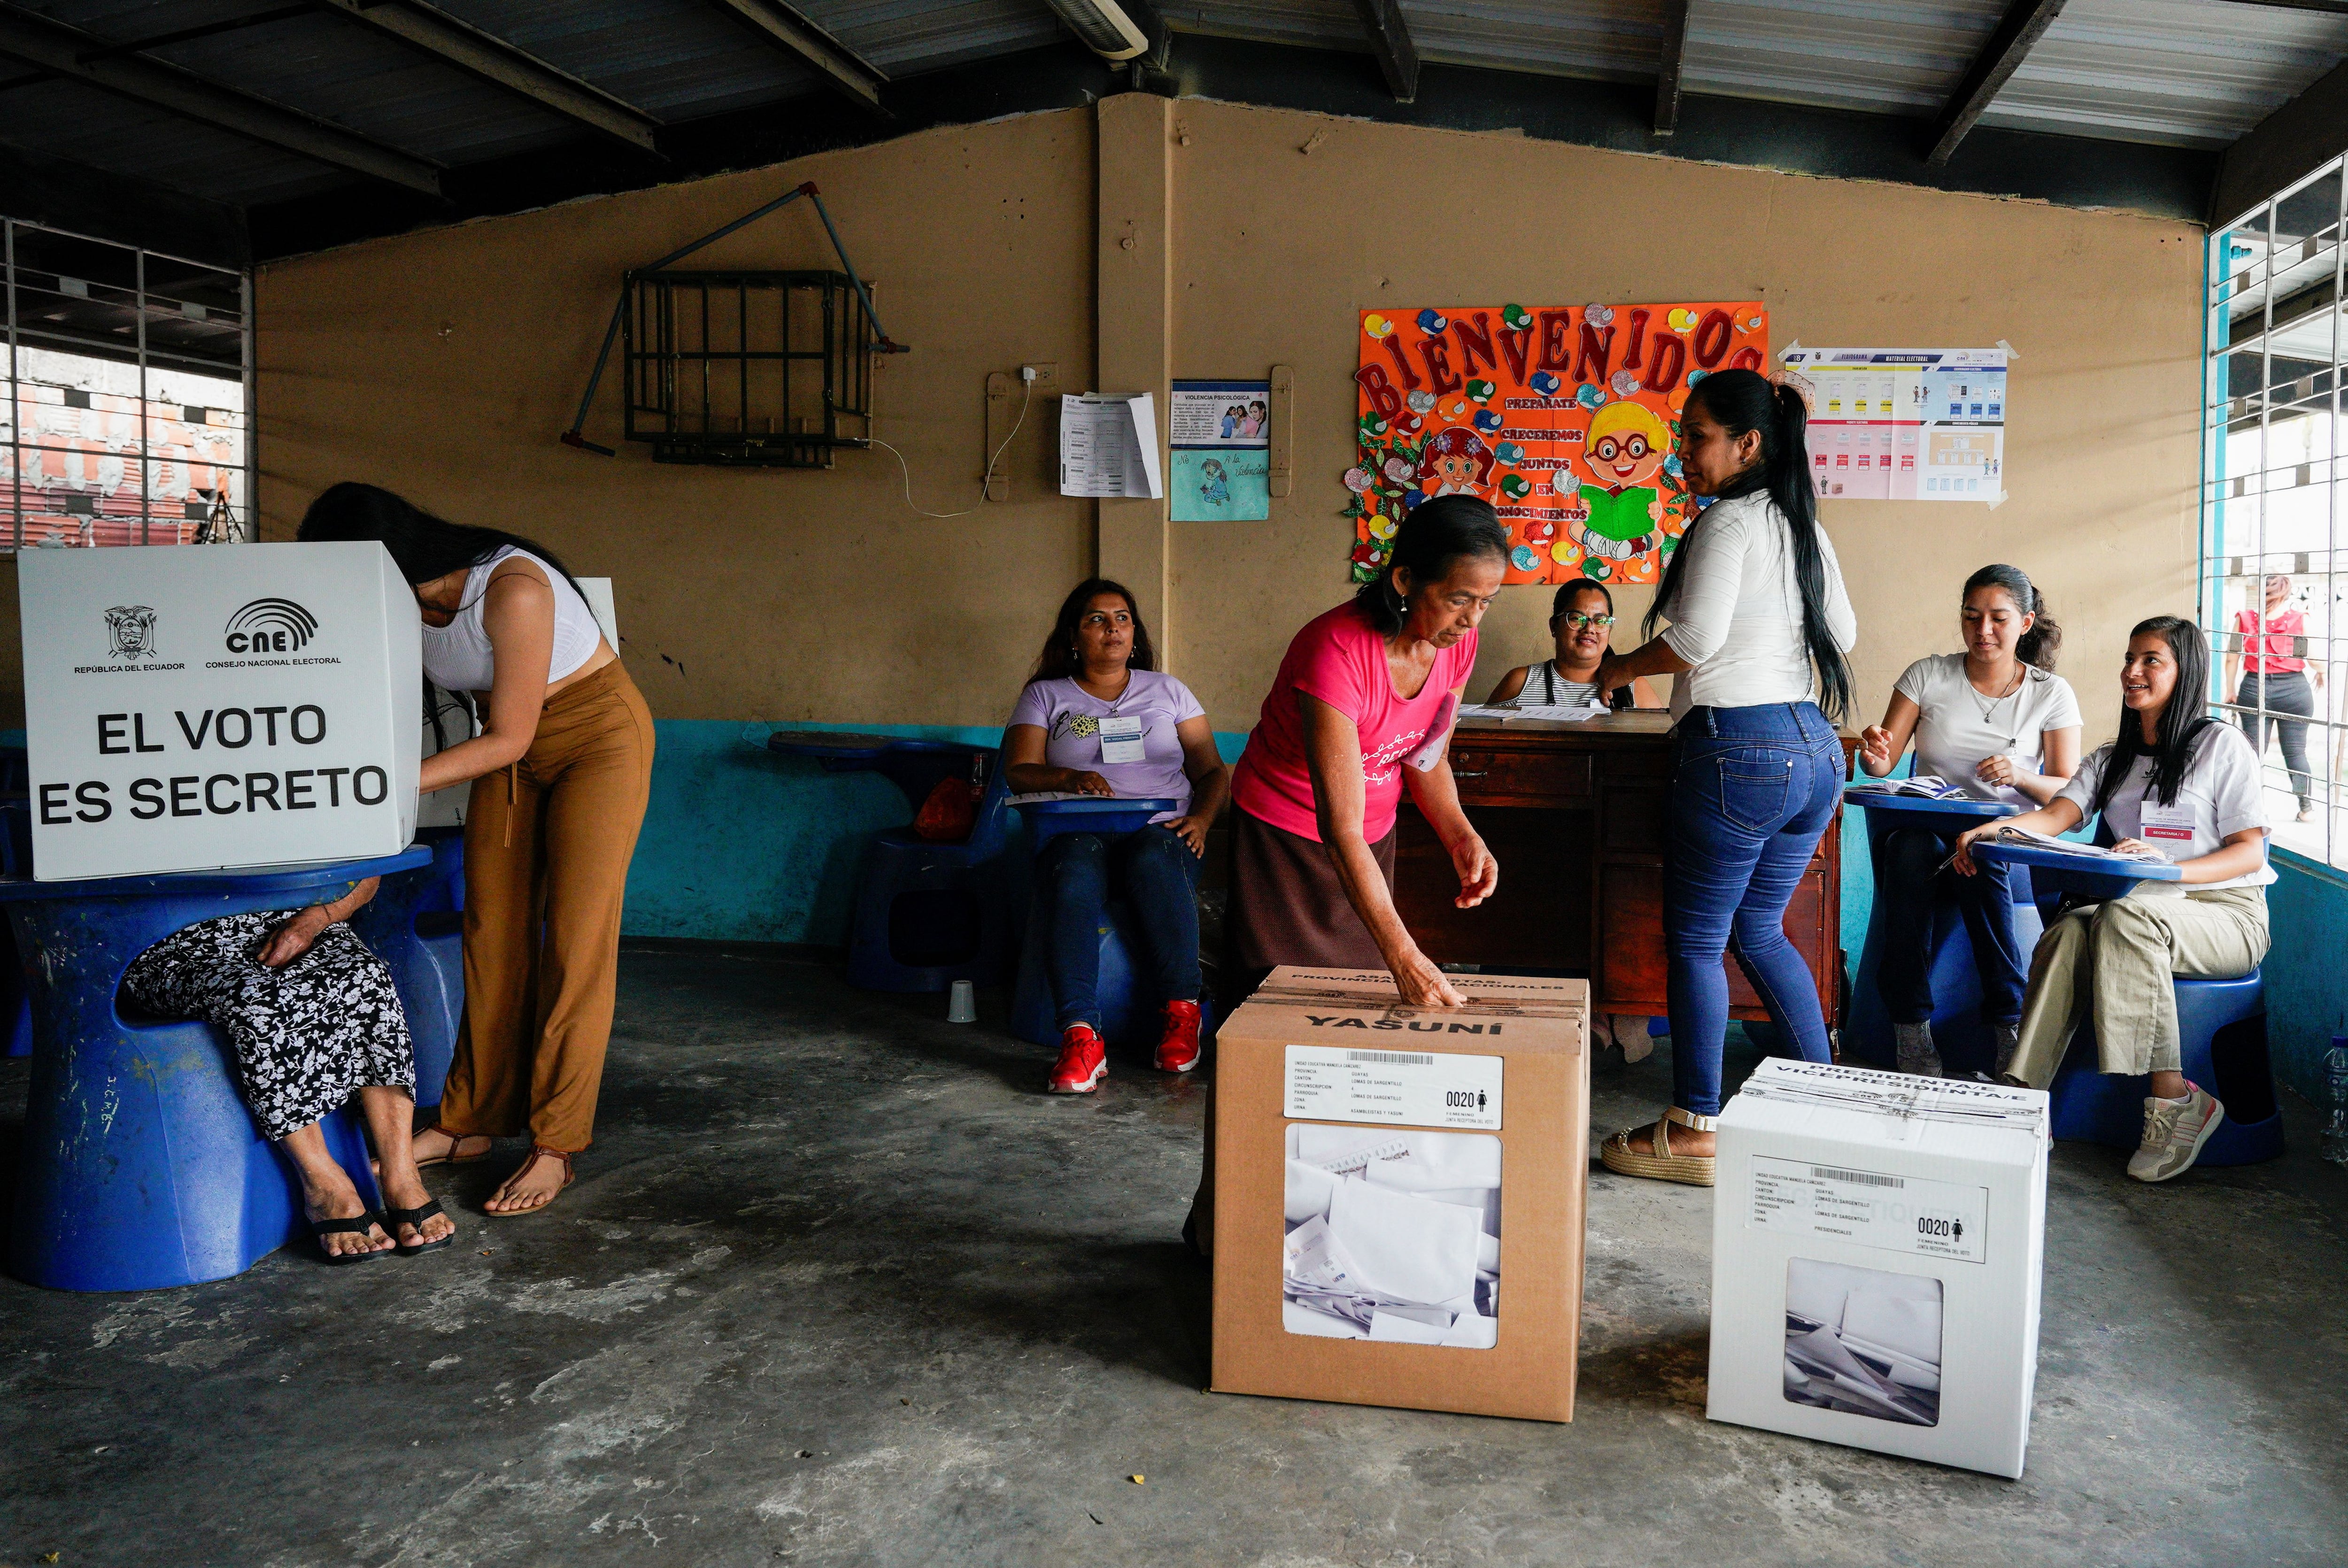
<point x="1876" y="1240"/>
<point x="190" y="709"/>
<point x="1398" y="1193"/>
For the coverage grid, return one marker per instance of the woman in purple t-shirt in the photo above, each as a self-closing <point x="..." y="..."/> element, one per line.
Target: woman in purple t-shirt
<point x="1097" y="719"/>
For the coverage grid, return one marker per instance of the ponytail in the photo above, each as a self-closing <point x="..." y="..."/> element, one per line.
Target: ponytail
<point x="1742" y="401"/>
<point x="2040" y="644"/>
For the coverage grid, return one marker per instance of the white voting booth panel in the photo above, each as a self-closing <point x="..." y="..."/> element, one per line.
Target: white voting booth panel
<point x="188" y="709"/>
<point x="1876" y="1245"/>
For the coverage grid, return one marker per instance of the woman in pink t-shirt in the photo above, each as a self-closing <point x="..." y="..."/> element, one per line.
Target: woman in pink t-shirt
<point x="1363" y="706"/>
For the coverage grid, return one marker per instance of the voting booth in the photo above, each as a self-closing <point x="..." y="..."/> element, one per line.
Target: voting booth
<point x="1876" y="1245"/>
<point x="196" y="708"/>
<point x="1399" y="1193"/>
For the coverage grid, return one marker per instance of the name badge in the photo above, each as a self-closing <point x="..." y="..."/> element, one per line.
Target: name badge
<point x="2167" y="828"/>
<point x="1120" y="740"/>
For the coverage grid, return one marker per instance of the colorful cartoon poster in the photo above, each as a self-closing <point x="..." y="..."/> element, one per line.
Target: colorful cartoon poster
<point x="1221" y="432"/>
<point x="1906" y="423"/>
<point x="1565" y="419"/>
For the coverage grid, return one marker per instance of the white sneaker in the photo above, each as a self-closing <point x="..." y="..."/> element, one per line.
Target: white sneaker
<point x="2174" y="1132"/>
<point x="1917" y="1055"/>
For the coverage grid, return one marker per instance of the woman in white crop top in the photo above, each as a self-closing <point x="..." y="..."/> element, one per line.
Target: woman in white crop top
<point x="1759" y="625"/>
<point x="561" y="773"/>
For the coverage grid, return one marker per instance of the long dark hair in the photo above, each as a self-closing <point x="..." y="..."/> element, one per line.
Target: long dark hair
<point x="2040" y="644"/>
<point x="1432" y="538"/>
<point x="422" y="546"/>
<point x="2180" y="722"/>
<point x="1742" y="400"/>
<point x="1060" y="661"/>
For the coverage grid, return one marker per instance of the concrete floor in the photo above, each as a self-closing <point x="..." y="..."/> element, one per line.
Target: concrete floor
<point x="838" y="1285"/>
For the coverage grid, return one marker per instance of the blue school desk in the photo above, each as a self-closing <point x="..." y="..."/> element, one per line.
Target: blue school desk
<point x="1958" y="1029"/>
<point x="141" y="1167"/>
<point x="2222" y="1028"/>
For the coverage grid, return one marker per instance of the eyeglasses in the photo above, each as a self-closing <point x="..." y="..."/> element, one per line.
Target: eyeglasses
<point x="1607" y="448"/>
<point x="1576" y="619"/>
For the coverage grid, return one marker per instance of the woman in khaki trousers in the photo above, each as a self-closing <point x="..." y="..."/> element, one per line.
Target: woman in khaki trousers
<point x="561" y="772"/>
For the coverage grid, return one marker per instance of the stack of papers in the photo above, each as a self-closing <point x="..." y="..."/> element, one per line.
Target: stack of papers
<point x="1392" y="1236"/>
<point x="1560" y="713"/>
<point x="1929" y="786"/>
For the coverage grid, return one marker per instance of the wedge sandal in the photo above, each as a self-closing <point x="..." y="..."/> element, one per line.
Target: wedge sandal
<point x="568" y="1176"/>
<point x="1662" y="1165"/>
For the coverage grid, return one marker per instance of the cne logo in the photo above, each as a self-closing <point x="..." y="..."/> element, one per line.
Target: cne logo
<point x="130" y="632"/>
<point x="270" y="626"/>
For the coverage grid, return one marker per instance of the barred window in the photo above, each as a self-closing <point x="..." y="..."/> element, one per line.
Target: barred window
<point x="2274" y="581"/>
<point x="129" y="410"/>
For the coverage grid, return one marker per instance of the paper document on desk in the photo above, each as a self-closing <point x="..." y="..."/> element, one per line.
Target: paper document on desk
<point x="1561" y="713"/>
<point x="1927" y="786"/>
<point x="2033" y="839"/>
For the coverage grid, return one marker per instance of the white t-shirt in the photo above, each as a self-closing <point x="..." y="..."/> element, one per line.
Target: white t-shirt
<point x="1737" y="610"/>
<point x="2220" y="794"/>
<point x="1953" y="734"/>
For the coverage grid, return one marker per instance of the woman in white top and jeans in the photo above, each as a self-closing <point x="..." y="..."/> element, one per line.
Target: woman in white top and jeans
<point x="1759" y="625"/>
<point x="562" y="771"/>
<point x="2179" y="782"/>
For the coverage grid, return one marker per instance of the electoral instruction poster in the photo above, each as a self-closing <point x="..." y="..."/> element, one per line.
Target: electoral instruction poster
<point x="1906" y="423"/>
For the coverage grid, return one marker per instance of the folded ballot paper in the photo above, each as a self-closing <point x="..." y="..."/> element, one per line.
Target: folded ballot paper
<point x="1360" y="1219"/>
<point x="1928" y="786"/>
<point x="1876" y="1247"/>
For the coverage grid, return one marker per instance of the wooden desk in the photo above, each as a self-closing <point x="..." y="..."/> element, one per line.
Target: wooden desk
<point x="1574" y="813"/>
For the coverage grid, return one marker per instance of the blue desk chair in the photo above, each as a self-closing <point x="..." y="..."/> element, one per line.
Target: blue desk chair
<point x="1130" y="1015"/>
<point x="141" y="1167"/>
<point x="2222" y="1026"/>
<point x="15" y="1000"/>
<point x="1959" y="1031"/>
<point x="926" y="914"/>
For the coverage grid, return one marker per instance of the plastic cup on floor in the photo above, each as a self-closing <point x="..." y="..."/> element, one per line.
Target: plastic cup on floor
<point x="962" y="1006"/>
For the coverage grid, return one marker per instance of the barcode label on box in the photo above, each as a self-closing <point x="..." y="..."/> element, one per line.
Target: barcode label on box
<point x="1411" y="1088"/>
<point x="1899" y="1213"/>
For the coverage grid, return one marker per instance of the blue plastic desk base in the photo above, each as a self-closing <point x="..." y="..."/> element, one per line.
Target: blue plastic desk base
<point x="2222" y="1026"/>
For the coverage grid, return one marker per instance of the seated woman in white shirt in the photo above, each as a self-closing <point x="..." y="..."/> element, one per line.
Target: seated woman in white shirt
<point x="1581" y="619"/>
<point x="1097" y="719"/>
<point x="1996" y="721"/>
<point x="2180" y="782"/>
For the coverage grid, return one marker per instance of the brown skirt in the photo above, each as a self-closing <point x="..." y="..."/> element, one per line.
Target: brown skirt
<point x="1287" y="906"/>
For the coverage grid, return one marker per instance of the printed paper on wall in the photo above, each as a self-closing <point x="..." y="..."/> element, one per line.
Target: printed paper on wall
<point x="1906" y="423"/>
<point x="1565" y="418"/>
<point x="1220" y="432"/>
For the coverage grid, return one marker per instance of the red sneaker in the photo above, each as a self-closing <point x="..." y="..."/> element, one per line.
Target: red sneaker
<point x="1178" y="1052"/>
<point x="1083" y="1062"/>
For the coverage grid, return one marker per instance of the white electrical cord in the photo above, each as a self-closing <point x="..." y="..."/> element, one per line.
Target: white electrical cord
<point x="1026" y="394"/>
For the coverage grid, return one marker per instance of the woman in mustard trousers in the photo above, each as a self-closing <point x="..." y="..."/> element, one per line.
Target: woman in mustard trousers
<point x="561" y="773"/>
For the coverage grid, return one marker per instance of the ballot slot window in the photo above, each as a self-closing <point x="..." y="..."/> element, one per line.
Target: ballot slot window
<point x="2274" y="486"/>
<point x="129" y="396"/>
<point x="1391" y="1235"/>
<point x="1864" y="1341"/>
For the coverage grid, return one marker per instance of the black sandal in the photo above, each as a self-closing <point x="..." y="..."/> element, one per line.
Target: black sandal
<point x="321" y="1229"/>
<point x="395" y="1218"/>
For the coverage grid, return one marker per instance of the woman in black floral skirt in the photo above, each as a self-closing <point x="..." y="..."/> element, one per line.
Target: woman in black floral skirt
<point x="312" y="1019"/>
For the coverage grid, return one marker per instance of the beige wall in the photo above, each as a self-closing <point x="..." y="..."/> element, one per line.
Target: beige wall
<point x="1278" y="248"/>
<point x="444" y="364"/>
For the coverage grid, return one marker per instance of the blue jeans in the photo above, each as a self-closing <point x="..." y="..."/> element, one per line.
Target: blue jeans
<point x="1907" y="885"/>
<point x="1751" y="791"/>
<point x="1158" y="876"/>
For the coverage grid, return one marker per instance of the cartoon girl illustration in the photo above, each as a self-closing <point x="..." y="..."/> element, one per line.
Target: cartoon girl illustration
<point x="1626" y="447"/>
<point x="1456" y="463"/>
<point x="1214" y="485"/>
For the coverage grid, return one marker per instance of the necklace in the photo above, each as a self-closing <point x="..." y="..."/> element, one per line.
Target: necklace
<point x="1988" y="705"/>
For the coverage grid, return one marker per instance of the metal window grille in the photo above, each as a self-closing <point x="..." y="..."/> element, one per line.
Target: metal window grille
<point x="2273" y="484"/>
<point x="747" y="369"/>
<point x="129" y="418"/>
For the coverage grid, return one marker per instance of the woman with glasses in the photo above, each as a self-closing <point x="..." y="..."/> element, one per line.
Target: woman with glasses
<point x="1581" y="619"/>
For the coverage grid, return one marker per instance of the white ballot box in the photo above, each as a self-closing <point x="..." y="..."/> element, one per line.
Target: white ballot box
<point x="188" y="709"/>
<point x="1876" y="1242"/>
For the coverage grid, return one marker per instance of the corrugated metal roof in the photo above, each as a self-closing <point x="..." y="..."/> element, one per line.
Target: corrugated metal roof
<point x="2155" y="71"/>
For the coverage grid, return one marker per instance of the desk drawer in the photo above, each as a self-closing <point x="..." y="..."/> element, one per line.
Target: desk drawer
<point x="1519" y="777"/>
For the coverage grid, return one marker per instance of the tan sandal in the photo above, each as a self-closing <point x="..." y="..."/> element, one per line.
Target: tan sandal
<point x="568" y="1176"/>
<point x="1662" y="1165"/>
<point x="457" y="1142"/>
